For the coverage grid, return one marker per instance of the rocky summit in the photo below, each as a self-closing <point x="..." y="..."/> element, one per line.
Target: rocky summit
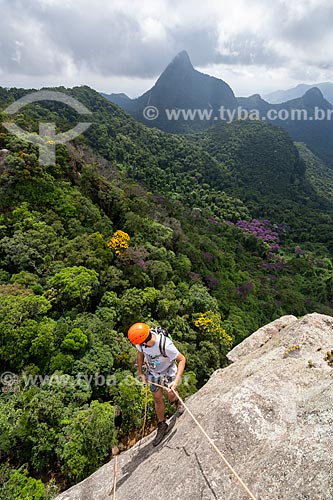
<point x="270" y="413"/>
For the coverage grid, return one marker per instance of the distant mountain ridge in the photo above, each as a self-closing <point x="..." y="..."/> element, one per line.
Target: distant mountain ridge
<point x="303" y="118"/>
<point x="182" y="88"/>
<point x="280" y="96"/>
<point x="121" y="100"/>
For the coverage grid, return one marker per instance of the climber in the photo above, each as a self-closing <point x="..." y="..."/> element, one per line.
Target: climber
<point x="157" y="358"/>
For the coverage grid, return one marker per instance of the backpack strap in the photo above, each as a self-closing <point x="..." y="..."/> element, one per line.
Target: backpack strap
<point x="162" y="345"/>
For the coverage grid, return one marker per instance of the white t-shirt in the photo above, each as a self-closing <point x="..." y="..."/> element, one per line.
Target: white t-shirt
<point x="157" y="363"/>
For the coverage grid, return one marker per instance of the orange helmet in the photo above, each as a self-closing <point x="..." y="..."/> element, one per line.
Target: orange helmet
<point x="138" y="333"/>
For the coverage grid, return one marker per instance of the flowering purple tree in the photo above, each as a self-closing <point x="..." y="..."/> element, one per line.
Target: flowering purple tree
<point x="261" y="229"/>
<point x="212" y="282"/>
<point x="244" y="290"/>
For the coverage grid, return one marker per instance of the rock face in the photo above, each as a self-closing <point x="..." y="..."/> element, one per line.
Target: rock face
<point x="259" y="338"/>
<point x="270" y="413"/>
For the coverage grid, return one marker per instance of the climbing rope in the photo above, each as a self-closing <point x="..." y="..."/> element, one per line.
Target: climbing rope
<point x="212" y="443"/>
<point x="144" y="416"/>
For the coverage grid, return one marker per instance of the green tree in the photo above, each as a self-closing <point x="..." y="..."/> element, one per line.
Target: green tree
<point x="26" y="335"/>
<point x="19" y="486"/>
<point x="199" y="300"/>
<point x="76" y="340"/>
<point x="129" y="394"/>
<point x="86" y="441"/>
<point x="137" y="305"/>
<point x="72" y="285"/>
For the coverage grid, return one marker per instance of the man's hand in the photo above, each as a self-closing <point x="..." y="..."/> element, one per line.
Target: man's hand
<point x="172" y="387"/>
<point x="143" y="377"/>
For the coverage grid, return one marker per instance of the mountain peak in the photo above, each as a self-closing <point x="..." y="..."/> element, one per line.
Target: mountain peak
<point x="181" y="61"/>
<point x="178" y="69"/>
<point x="281" y="96"/>
<point x="314" y="92"/>
<point x="314" y="97"/>
<point x="256" y="98"/>
<point x="182" y="86"/>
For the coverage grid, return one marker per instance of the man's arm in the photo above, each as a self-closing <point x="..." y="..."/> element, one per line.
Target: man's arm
<point x="140" y="363"/>
<point x="181" y="360"/>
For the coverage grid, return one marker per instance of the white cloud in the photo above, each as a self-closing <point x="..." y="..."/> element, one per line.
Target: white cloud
<point x="257" y="45"/>
<point x="153" y="29"/>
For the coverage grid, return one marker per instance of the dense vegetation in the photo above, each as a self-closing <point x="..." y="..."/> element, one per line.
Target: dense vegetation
<point x="133" y="224"/>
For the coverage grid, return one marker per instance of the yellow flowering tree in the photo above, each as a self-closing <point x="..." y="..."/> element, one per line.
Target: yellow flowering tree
<point x="210" y="324"/>
<point x="119" y="242"/>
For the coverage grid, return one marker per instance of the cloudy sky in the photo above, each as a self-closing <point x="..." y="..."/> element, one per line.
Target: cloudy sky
<point x="123" y="45"/>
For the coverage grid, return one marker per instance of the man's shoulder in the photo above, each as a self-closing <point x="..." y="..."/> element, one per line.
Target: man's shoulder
<point x="168" y="341"/>
<point x="170" y="348"/>
<point x="161" y="332"/>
